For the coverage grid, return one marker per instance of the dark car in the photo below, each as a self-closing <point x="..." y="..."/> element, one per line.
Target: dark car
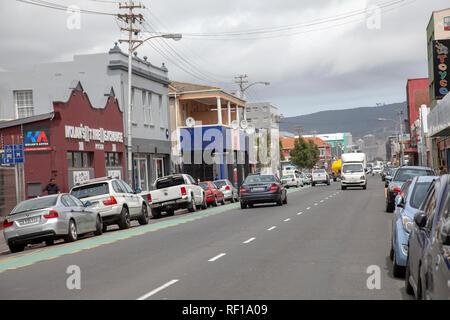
<point x="262" y="189"/>
<point x="212" y="193"/>
<point x="401" y="175"/>
<point x="428" y="263"/>
<point x="385" y="172"/>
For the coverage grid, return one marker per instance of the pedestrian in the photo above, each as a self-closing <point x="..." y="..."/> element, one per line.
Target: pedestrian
<point x="51" y="187"/>
<point x="217" y="177"/>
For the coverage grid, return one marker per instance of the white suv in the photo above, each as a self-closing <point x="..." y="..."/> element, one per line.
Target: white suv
<point x="114" y="199"/>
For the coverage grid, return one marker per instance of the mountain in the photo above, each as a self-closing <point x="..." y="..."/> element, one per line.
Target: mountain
<point x="357" y="121"/>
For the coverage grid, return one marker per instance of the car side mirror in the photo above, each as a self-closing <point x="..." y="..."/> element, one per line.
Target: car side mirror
<point x="138" y="190"/>
<point x="420" y="219"/>
<point x="88" y="204"/>
<point x="388" y="178"/>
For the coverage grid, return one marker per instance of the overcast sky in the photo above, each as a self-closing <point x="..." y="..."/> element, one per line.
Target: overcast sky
<point x="353" y="58"/>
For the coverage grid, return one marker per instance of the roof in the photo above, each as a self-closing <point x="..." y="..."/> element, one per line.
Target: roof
<point x="17" y="122"/>
<point x="176" y="87"/>
<point x="289" y="143"/>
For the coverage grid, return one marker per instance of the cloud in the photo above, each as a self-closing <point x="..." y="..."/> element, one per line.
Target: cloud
<point x="321" y="66"/>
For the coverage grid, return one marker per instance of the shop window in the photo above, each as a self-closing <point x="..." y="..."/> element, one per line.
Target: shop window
<point x="113" y="159"/>
<point x="23" y="102"/>
<point x="76" y="159"/>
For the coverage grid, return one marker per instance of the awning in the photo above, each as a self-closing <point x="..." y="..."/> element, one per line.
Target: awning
<point x="439" y="118"/>
<point x="411" y="150"/>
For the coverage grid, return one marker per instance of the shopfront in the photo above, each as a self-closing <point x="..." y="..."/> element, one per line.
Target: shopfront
<point x="75" y="143"/>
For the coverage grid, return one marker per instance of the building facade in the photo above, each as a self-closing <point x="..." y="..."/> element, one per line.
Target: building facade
<point x="32" y="92"/>
<point x="265" y="119"/>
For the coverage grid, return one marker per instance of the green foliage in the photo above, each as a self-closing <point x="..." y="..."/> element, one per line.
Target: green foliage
<point x="282" y="157"/>
<point x="305" y="153"/>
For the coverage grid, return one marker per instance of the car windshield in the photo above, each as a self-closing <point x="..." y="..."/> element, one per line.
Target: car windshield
<point x="259" y="179"/>
<point x="319" y="171"/>
<point x="405" y="174"/>
<point x="220" y="183"/>
<point x="290" y="176"/>
<point x="35" y="204"/>
<point x="204" y="186"/>
<point x="169" y="182"/>
<point x="419" y="193"/>
<point x="91" y="190"/>
<point x="349" y="168"/>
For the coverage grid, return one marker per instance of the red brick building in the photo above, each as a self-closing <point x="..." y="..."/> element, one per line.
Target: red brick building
<point x="73" y="143"/>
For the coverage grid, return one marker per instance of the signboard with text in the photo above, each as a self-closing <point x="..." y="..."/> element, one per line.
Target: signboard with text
<point x="37" y="139"/>
<point x="441" y="68"/>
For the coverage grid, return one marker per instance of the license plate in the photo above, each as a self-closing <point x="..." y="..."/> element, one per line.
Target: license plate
<point x="258" y="189"/>
<point x="27" y="221"/>
<point x="168" y="202"/>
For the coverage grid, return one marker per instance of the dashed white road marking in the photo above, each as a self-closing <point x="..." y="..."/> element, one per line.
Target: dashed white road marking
<point x="271" y="228"/>
<point x="300" y="213"/>
<point x="217" y="257"/>
<point x="322" y="201"/>
<point x="249" y="240"/>
<point x="316" y="204"/>
<point x="151" y="293"/>
<point x="288" y="219"/>
<point x="308" y="208"/>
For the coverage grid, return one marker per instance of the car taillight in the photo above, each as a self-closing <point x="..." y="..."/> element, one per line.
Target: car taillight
<point x="273" y="188"/>
<point x="227" y="188"/>
<point x="110" y="202"/>
<point x="149" y="198"/>
<point x="52" y="214"/>
<point x="396" y="189"/>
<point x="7" y="224"/>
<point x="243" y="190"/>
<point x="183" y="191"/>
<point x="293" y="180"/>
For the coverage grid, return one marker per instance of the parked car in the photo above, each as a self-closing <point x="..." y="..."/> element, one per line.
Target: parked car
<point x="173" y="192"/>
<point x="388" y="176"/>
<point x="292" y="180"/>
<point x="376" y="170"/>
<point x="212" y="193"/>
<point x="229" y="191"/>
<point x="427" y="273"/>
<point x="46" y="219"/>
<point x="385" y="171"/>
<point x="401" y="175"/>
<point x="114" y="199"/>
<point x="320" y="176"/>
<point x="413" y="193"/>
<point x="306" y="177"/>
<point x="262" y="189"/>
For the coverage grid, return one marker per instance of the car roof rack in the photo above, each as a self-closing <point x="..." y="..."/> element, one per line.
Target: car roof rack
<point x="94" y="180"/>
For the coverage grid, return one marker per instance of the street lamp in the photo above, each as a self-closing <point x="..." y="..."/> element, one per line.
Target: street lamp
<point x="131" y="49"/>
<point x="243" y="89"/>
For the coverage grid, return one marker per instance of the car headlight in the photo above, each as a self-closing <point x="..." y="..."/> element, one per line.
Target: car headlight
<point x="407" y="223"/>
<point x="363" y="178"/>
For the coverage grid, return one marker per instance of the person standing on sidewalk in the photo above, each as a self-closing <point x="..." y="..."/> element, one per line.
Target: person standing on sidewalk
<point x="51" y="187"/>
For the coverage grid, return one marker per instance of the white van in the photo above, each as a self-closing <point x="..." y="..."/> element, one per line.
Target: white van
<point x="353" y="170"/>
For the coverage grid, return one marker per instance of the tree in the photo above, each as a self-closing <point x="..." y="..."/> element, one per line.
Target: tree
<point x="305" y="153"/>
<point x="282" y="157"/>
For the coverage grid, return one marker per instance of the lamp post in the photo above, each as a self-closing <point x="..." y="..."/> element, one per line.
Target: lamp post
<point x="131" y="49"/>
<point x="402" y="159"/>
<point x="243" y="89"/>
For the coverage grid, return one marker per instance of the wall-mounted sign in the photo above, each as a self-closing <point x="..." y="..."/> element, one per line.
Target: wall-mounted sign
<point x="441" y="68"/>
<point x="87" y="134"/>
<point x="37" y="139"/>
<point x="115" y="174"/>
<point x="80" y="176"/>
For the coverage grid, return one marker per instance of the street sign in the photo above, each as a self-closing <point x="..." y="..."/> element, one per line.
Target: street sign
<point x="13" y="154"/>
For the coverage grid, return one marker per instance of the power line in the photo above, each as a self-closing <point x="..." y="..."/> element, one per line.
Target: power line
<point x="56" y="6"/>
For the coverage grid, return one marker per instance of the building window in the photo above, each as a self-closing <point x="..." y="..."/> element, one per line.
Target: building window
<point x="76" y="159"/>
<point x="113" y="159"/>
<point x="160" y="109"/>
<point x="23" y="102"/>
<point x="132" y="105"/>
<point x="447" y="23"/>
<point x="148" y="109"/>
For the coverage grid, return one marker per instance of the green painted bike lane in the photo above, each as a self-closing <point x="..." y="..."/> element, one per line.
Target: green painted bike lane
<point x="49" y="253"/>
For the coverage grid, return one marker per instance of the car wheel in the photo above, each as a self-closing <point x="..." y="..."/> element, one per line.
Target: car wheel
<point x="243" y="205"/>
<point x="156" y="213"/>
<point x="250" y="205"/>
<point x="16" y="248"/>
<point x="124" y="222"/>
<point x="280" y="202"/>
<point x="365" y="187"/>
<point x="419" y="288"/>
<point x="343" y="188"/>
<point x="397" y="270"/>
<point x="170" y="212"/>
<point x="232" y="200"/>
<point x="389" y="205"/>
<point x="408" y="286"/>
<point x="192" y="206"/>
<point x="49" y="242"/>
<point x="285" y="199"/>
<point x="204" y="204"/>
<point x="104" y="228"/>
<point x="143" y="219"/>
<point x="391" y="252"/>
<point x="214" y="203"/>
<point x="72" y="234"/>
<point x="98" y="226"/>
<point x="313" y="184"/>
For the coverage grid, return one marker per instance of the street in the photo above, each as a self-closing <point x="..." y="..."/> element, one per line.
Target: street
<point x="318" y="246"/>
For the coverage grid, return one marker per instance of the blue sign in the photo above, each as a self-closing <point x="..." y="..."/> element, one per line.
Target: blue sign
<point x="13" y="154"/>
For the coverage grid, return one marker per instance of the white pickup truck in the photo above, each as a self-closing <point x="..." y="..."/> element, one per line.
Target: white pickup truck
<point x="320" y="176"/>
<point x="178" y="191"/>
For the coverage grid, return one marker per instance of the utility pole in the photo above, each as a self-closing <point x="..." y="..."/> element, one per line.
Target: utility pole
<point x="131" y="19"/>
<point x="241" y="80"/>
<point x="402" y="162"/>
<point x="299" y="130"/>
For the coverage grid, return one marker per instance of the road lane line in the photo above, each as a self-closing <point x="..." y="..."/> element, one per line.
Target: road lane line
<point x="288" y="219"/>
<point x="299" y="213"/>
<point x="309" y="208"/>
<point x="271" y="228"/>
<point x="217" y="257"/>
<point x="322" y="201"/>
<point x="151" y="293"/>
<point x="249" y="240"/>
<point x="316" y="204"/>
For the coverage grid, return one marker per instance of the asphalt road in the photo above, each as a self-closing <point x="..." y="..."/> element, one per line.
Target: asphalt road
<point x="318" y="246"/>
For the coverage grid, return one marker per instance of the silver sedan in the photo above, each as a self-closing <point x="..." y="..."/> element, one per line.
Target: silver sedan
<point x="47" y="219"/>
